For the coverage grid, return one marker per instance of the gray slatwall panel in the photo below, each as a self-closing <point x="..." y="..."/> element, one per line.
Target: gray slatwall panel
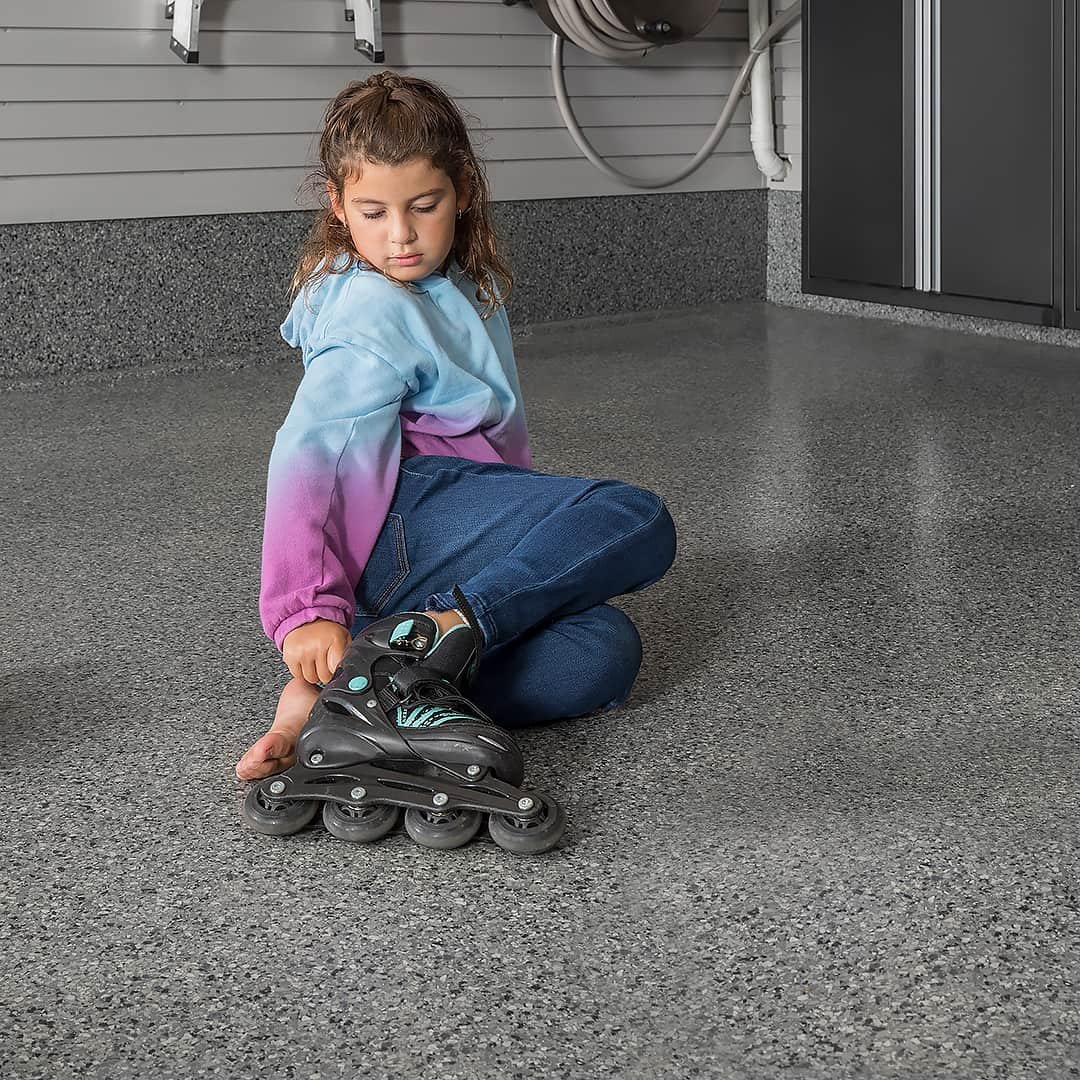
<point x="185" y="83"/>
<point x="150" y="48"/>
<point x="269" y="67"/>
<point x="86" y="119"/>
<point x="247" y="191"/>
<point x="42" y="157"/>
<point x="789" y="141"/>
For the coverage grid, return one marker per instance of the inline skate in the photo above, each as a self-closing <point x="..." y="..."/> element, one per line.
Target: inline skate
<point x="392" y="731"/>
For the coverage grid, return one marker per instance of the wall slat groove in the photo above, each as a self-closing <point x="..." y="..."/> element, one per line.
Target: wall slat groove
<point x="98" y="119"/>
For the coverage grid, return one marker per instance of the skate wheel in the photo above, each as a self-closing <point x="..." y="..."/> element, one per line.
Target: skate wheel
<point x="276" y="817"/>
<point x="532" y="835"/>
<point x="360" y="824"/>
<point x="436" y="829"/>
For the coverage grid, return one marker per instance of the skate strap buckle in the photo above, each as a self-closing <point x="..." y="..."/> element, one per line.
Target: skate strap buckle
<point x="406" y="680"/>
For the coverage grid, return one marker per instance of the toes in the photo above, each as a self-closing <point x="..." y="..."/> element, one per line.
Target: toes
<point x="254" y="765"/>
<point x="271" y="754"/>
<point x="256" y="770"/>
<point x="248" y="768"/>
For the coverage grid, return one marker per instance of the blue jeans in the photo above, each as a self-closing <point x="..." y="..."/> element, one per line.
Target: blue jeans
<point x="536" y="556"/>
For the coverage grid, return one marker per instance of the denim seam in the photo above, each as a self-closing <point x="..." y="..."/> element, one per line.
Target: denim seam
<point x="403" y="569"/>
<point x="424" y="476"/>
<point x="585" y="558"/>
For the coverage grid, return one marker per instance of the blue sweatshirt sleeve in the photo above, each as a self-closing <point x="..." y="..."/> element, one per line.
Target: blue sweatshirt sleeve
<point x="330" y="482"/>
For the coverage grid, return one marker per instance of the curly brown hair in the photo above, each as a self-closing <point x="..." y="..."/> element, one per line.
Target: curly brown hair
<point x="390" y="119"/>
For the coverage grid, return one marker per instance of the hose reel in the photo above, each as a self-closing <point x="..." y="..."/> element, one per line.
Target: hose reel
<point x="660" y="22"/>
<point x="613" y="29"/>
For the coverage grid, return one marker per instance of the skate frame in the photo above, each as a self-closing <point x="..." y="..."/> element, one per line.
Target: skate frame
<point x="401" y="789"/>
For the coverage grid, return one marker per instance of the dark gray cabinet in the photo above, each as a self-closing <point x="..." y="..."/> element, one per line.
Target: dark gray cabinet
<point x="1071" y="197"/>
<point x="997" y="110"/>
<point x="856" y="185"/>
<point x="939" y="155"/>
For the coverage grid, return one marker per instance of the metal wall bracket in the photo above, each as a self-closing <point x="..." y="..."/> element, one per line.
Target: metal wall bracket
<point x="366" y="17"/>
<point x="185" y="35"/>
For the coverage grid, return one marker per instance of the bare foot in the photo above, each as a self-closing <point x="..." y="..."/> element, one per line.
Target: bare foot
<point x="274" y="751"/>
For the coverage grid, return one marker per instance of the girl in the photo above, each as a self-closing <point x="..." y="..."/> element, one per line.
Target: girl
<point x="403" y="465"/>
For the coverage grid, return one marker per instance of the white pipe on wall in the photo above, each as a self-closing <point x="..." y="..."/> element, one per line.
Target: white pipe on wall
<point x="762" y="123"/>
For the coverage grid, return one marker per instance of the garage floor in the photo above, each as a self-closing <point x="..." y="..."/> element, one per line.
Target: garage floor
<point x="832" y="833"/>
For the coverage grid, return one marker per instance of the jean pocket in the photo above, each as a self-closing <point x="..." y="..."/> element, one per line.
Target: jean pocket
<point x="386" y="569"/>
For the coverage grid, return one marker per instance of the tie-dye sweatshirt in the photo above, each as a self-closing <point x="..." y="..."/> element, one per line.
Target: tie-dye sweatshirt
<point x="388" y="374"/>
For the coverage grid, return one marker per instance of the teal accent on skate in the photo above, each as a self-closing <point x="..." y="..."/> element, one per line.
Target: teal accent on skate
<point x="428" y="716"/>
<point x="358" y="682"/>
<point x="403" y="629"/>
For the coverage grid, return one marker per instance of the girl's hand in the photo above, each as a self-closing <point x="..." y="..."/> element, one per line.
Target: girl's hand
<point x="313" y="651"/>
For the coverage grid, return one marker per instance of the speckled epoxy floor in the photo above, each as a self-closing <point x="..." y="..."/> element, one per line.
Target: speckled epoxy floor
<point x="833" y="832"/>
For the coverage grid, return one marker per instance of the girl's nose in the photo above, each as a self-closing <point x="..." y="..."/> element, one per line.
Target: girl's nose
<point x="401" y="233"/>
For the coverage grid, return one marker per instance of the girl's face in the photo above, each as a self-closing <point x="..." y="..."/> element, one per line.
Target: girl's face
<point x="394" y="210"/>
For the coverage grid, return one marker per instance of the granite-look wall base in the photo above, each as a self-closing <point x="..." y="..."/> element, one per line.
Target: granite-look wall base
<point x="784" y="286"/>
<point x="211" y="291"/>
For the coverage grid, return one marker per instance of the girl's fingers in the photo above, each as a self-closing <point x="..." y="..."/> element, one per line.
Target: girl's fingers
<point x="333" y="657"/>
<point x="330" y="664"/>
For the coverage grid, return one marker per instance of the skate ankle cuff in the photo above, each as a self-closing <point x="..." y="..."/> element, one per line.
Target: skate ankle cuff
<point x="464" y="609"/>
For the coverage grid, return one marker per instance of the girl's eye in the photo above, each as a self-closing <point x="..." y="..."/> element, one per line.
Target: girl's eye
<point x="421" y="209"/>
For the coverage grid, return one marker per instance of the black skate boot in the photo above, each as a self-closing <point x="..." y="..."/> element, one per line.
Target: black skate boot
<point x="453" y="655"/>
<point x="392" y="729"/>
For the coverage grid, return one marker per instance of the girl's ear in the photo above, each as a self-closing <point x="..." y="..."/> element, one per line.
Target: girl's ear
<point x="335" y="202"/>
